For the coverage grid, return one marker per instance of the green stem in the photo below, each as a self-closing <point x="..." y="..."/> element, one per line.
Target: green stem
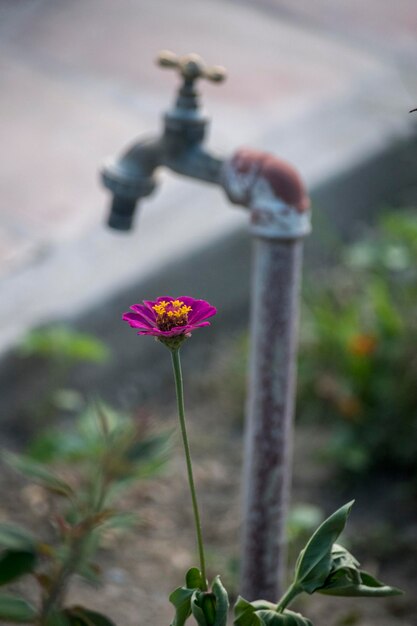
<point x="292" y="591"/>
<point x="58" y="589"/>
<point x="176" y="364"/>
<point x="53" y="601"/>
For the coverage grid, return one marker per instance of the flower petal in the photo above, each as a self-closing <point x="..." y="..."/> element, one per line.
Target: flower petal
<point x="143" y="310"/>
<point x="136" y="320"/>
<point x="202" y="313"/>
<point x="200" y="324"/>
<point x="200" y="309"/>
<point x="209" y="312"/>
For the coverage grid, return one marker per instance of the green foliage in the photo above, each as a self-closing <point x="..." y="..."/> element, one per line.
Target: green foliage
<point x="13" y="537"/>
<point x="326" y="567"/>
<point x="17" y="610"/>
<point x="208" y="607"/>
<point x="80" y="616"/>
<point x="19" y="553"/>
<point x="77" y="616"/>
<point x="359" y="331"/>
<point x="262" y="613"/>
<point x="39" y="473"/>
<point x="315" y="561"/>
<point x="102" y="436"/>
<point x="181" y="599"/>
<point x="211" y="608"/>
<point x="322" y="566"/>
<point x="61" y="348"/>
<point x="346" y="579"/>
<point x="15" y="564"/>
<point x="62" y="343"/>
<point x="88" y="467"/>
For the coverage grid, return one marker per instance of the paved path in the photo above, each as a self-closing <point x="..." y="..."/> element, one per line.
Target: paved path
<point x="322" y="84"/>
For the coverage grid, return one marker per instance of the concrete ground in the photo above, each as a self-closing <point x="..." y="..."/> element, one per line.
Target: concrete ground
<point x="322" y="84"/>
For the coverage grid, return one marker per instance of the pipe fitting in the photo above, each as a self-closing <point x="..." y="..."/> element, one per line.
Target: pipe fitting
<point x="272" y="190"/>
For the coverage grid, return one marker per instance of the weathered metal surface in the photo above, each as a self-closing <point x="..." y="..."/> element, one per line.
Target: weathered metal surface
<point x="179" y="147"/>
<point x="268" y="443"/>
<point x="276" y="197"/>
<point x="191" y="66"/>
<point x="272" y="190"/>
<point x="248" y="167"/>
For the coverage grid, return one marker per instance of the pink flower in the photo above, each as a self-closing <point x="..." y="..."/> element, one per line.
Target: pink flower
<point x="168" y="317"/>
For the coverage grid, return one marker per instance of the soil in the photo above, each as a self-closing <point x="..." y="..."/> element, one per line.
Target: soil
<point x="142" y="567"/>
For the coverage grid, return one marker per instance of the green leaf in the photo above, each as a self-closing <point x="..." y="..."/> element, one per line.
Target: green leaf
<point x="38" y="473"/>
<point x="149" y="448"/>
<point x="315" y="561"/>
<point x="80" y="616"/>
<point x="361" y="591"/>
<point x="181" y="599"/>
<point x="15" y="538"/>
<point x="59" y="444"/>
<point x="210" y="608"/>
<point x="263" y="605"/>
<point x="15" y="564"/>
<point x="287" y="618"/>
<point x="90" y="572"/>
<point x="344" y="564"/>
<point x="123" y="520"/>
<point x="58" y="618"/>
<point x="263" y="613"/>
<point x="198" y="599"/>
<point x="222" y="602"/>
<point x="194" y="579"/>
<point x="245" y="613"/>
<point x="371" y="587"/>
<point x="15" y="609"/>
<point x="343" y="583"/>
<point x="346" y="579"/>
<point x="206" y="609"/>
<point x="73" y="620"/>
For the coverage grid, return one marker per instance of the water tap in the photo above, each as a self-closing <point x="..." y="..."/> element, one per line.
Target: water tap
<point x="179" y="147"/>
<point x="268" y="186"/>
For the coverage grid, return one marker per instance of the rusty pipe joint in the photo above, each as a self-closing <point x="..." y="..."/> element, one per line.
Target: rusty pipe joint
<point x="272" y="190"/>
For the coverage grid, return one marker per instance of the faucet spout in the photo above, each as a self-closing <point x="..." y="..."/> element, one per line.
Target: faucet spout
<point x="129" y="178"/>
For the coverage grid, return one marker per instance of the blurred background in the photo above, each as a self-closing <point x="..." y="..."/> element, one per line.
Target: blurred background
<point x="321" y="87"/>
<point x="327" y="86"/>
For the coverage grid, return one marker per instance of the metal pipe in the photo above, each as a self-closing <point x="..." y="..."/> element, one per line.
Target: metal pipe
<point x="279" y="218"/>
<point x="268" y="437"/>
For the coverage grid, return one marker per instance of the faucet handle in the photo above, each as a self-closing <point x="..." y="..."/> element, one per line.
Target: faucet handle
<point x="191" y="66"/>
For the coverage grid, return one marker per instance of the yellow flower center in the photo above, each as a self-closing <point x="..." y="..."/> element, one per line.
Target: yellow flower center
<point x="171" y="314"/>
